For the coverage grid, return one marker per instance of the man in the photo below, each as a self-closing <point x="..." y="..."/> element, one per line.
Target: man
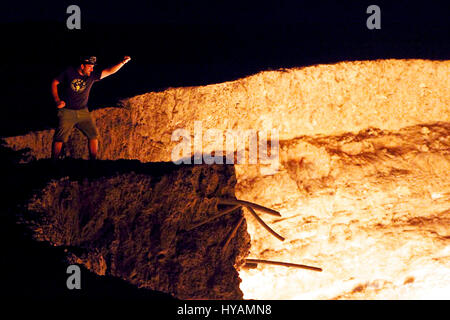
<point x="75" y="85"/>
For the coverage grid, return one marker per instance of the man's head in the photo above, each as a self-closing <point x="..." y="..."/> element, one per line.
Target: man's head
<point x="87" y="65"/>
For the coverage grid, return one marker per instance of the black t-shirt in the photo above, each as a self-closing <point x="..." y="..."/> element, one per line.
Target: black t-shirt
<point x="75" y="88"/>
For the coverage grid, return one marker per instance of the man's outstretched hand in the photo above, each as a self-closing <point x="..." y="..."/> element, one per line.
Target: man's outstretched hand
<point x="61" y="104"/>
<point x="126" y="59"/>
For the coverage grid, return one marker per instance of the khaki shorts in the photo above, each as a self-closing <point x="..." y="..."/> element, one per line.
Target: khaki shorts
<point x="81" y="119"/>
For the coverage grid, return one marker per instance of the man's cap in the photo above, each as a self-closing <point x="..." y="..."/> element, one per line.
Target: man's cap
<point x="89" y="60"/>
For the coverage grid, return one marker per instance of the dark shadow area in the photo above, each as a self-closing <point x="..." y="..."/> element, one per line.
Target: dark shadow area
<point x="35" y="270"/>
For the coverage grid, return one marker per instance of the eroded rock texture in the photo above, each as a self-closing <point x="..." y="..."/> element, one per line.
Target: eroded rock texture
<point x="133" y="226"/>
<point x="371" y="208"/>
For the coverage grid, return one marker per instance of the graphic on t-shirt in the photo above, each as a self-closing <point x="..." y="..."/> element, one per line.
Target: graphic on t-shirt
<point x="78" y="85"/>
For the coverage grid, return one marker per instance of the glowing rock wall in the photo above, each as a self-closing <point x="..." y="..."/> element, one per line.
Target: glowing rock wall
<point x="321" y="99"/>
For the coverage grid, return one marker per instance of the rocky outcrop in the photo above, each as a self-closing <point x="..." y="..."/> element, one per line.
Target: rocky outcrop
<point x="362" y="184"/>
<point x="322" y="99"/>
<point x="135" y="226"/>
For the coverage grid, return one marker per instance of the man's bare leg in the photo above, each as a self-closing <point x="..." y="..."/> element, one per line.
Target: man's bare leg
<point x="93" y="148"/>
<point x="56" y="150"/>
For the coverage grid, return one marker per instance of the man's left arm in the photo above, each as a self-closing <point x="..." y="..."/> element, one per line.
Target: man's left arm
<point x="109" y="71"/>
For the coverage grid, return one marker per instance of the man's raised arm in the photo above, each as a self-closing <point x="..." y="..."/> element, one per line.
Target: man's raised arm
<point x="115" y="68"/>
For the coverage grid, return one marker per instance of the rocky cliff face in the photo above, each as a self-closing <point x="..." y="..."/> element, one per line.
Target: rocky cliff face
<point x="134" y="226"/>
<point x="322" y="99"/>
